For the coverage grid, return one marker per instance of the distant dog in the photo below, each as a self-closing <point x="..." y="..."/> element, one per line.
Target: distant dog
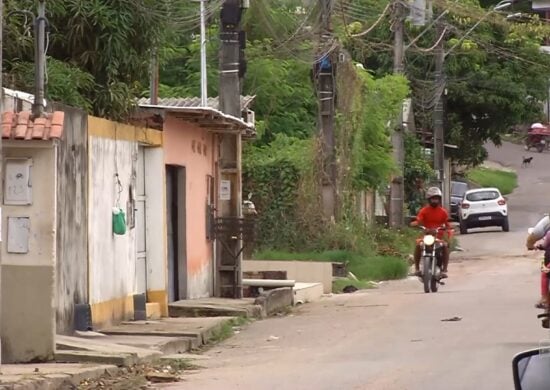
<point x="526" y="161"/>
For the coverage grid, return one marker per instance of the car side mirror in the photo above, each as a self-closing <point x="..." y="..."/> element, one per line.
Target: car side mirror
<point x="531" y="369"/>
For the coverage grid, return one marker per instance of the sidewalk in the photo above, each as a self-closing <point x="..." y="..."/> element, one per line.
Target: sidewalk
<point x="50" y="376"/>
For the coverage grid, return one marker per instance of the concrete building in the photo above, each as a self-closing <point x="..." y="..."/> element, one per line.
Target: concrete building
<point x="191" y="143"/>
<point x="62" y="266"/>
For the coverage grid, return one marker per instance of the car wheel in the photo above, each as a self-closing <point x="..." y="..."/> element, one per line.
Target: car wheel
<point x="506" y="225"/>
<point x="463" y="228"/>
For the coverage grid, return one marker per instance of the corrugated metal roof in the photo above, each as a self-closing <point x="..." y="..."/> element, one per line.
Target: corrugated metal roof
<point x="193" y="102"/>
<point x="21" y="126"/>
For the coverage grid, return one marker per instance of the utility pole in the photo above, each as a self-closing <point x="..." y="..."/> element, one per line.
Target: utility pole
<point x="204" y="79"/>
<point x="228" y="248"/>
<point x="40" y="59"/>
<point x="154" y="87"/>
<point x="1" y="150"/>
<point x="438" y="115"/>
<point x="324" y="71"/>
<point x="397" y="187"/>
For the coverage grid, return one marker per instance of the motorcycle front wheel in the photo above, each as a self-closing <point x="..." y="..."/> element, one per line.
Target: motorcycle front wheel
<point x="427" y="273"/>
<point x="433" y="284"/>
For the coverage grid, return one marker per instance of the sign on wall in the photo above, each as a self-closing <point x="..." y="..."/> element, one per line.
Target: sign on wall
<point x="18" y="234"/>
<point x="17" y="181"/>
<point x="225" y="190"/>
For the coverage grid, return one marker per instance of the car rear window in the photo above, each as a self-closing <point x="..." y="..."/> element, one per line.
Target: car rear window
<point x="482" y="195"/>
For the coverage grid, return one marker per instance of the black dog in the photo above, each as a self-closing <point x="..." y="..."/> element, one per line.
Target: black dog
<point x="526" y="161"/>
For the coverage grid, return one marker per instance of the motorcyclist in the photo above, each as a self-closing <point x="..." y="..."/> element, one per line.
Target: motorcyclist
<point x="541" y="231"/>
<point x="432" y="217"/>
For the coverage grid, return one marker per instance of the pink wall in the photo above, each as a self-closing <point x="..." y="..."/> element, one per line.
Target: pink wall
<point x="188" y="145"/>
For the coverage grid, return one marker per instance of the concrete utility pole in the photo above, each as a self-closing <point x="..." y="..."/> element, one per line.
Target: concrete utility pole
<point x="324" y="70"/>
<point x="1" y="148"/>
<point x="40" y="59"/>
<point x="397" y="187"/>
<point x="204" y="78"/>
<point x="438" y="114"/>
<point x="229" y="271"/>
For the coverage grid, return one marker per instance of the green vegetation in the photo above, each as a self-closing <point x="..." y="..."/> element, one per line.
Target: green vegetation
<point x="505" y="181"/>
<point x="366" y="268"/>
<point x="226" y="330"/>
<point x="378" y="255"/>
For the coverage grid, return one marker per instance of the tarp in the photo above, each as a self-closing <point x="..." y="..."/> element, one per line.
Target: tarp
<point x="539" y="129"/>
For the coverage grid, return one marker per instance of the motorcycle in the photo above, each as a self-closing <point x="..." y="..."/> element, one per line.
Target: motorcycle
<point x="432" y="258"/>
<point x="545" y="317"/>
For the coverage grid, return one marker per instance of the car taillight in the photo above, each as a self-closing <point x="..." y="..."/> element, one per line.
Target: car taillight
<point x="465" y="206"/>
<point x="501" y="202"/>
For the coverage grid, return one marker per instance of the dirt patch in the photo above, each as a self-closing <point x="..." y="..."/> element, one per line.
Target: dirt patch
<point x="138" y="377"/>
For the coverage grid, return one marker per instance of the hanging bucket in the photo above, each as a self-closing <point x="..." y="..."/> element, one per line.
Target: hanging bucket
<point x="119" y="221"/>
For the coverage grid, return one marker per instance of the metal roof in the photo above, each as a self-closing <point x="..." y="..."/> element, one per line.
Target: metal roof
<point x="193" y="102"/>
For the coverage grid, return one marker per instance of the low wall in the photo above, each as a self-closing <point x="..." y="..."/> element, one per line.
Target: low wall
<point x="300" y="271"/>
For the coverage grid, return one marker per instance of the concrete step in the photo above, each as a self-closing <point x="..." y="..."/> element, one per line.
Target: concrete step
<point x="307" y="292"/>
<point x="152" y="310"/>
<point x="215" y="308"/>
<point x="200" y="329"/>
<point x="112" y="358"/>
<point x="166" y="345"/>
<point x="101" y="350"/>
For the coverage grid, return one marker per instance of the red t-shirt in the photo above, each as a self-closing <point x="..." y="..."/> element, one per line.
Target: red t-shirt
<point x="433" y="217"/>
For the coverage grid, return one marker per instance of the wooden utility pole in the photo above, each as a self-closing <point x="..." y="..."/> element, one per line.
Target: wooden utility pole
<point x="397" y="187"/>
<point x="154" y="84"/>
<point x="324" y="71"/>
<point x="228" y="247"/>
<point x="439" y="114"/>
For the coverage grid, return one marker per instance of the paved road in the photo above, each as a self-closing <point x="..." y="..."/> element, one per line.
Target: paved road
<point x="393" y="337"/>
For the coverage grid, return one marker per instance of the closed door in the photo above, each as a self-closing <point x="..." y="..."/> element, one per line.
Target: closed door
<point x="141" y="224"/>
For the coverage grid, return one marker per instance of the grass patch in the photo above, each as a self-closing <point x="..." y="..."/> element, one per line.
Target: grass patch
<point x="371" y="253"/>
<point x="225" y="331"/>
<point x="374" y="267"/>
<point x="505" y="181"/>
<point x="338" y="285"/>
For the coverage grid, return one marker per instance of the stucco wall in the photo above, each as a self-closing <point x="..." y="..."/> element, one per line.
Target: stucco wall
<point x="188" y="145"/>
<point x="112" y="258"/>
<point x="72" y="218"/>
<point x="28" y="314"/>
<point x="157" y="267"/>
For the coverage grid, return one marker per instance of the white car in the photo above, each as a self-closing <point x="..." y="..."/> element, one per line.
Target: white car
<point x="483" y="207"/>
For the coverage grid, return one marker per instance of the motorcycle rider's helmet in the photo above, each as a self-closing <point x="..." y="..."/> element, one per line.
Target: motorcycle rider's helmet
<point x="434" y="196"/>
<point x="432" y="192"/>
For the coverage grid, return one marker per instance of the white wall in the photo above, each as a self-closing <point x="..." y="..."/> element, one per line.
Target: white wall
<point x="156" y="219"/>
<point x="111" y="257"/>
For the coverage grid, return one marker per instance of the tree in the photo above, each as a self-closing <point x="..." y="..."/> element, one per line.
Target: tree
<point x="496" y="77"/>
<point x="109" y="41"/>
